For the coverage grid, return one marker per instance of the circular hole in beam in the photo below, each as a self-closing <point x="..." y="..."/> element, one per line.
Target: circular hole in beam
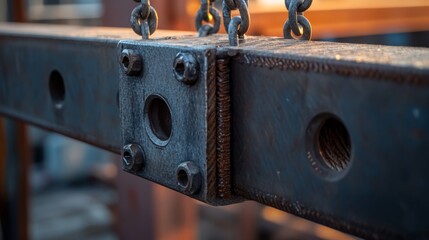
<point x="158" y="117"/>
<point x="57" y="89"/>
<point x="329" y="146"/>
<point x="334" y="144"/>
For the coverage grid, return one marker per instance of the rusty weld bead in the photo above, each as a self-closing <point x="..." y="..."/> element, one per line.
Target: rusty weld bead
<point x="188" y="178"/>
<point x="186" y="68"/>
<point x="132" y="157"/>
<point x="131" y="62"/>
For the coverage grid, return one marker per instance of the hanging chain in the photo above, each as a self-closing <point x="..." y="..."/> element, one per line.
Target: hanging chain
<point x="144" y="19"/>
<point x="297" y="26"/>
<point x="237" y="26"/>
<point x="206" y="13"/>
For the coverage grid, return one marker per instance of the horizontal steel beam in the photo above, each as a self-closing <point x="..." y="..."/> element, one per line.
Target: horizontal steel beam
<point x="87" y="62"/>
<point x="335" y="133"/>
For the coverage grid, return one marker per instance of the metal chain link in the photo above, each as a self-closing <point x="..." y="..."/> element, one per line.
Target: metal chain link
<point x="203" y="14"/>
<point x="144" y="19"/>
<point x="297" y="26"/>
<point x="237" y="26"/>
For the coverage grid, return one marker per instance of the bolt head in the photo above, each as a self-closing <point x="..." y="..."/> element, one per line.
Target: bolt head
<point x="132" y="157"/>
<point x="131" y="62"/>
<point x="186" y="68"/>
<point x="188" y="178"/>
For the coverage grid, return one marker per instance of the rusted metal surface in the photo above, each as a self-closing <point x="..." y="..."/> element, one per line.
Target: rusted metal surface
<point x="335" y="133"/>
<point x="223" y="125"/>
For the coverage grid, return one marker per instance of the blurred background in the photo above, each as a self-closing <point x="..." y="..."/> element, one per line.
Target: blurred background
<point x="72" y="190"/>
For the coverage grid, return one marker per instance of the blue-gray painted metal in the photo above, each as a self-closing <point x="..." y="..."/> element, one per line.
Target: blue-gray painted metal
<point x="89" y="71"/>
<point x="191" y="108"/>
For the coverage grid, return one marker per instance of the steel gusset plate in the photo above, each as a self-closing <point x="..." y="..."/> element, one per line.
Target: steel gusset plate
<point x="172" y="121"/>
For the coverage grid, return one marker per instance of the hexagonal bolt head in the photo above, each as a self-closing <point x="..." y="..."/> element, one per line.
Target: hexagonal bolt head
<point x="132" y="158"/>
<point x="131" y="62"/>
<point x="186" y="68"/>
<point x="188" y="178"/>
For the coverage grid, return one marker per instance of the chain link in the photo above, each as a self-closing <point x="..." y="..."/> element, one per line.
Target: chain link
<point x="297" y="26"/>
<point x="237" y="26"/>
<point x="144" y="19"/>
<point x="206" y="10"/>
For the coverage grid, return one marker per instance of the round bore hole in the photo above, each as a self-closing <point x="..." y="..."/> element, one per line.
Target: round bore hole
<point x="330" y="146"/>
<point x="57" y="89"/>
<point x="159" y="116"/>
<point x="334" y="144"/>
<point x="182" y="178"/>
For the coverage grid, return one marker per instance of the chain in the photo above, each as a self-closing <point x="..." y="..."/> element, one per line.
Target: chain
<point x="237" y="26"/>
<point x="206" y="10"/>
<point x="297" y="26"/>
<point x="144" y="19"/>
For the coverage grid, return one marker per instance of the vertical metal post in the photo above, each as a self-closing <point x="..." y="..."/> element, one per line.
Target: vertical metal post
<point x="15" y="164"/>
<point x="16" y="11"/>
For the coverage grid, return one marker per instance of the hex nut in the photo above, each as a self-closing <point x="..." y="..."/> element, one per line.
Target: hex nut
<point x="131" y="62"/>
<point x="188" y="178"/>
<point x="186" y="68"/>
<point x="132" y="158"/>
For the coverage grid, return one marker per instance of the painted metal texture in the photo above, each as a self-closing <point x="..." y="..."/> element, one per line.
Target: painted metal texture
<point x="88" y="110"/>
<point x="172" y="121"/>
<point x="280" y="104"/>
<point x="335" y="133"/>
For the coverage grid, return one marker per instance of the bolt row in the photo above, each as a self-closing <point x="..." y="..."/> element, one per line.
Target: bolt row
<point x="188" y="175"/>
<point x="185" y="66"/>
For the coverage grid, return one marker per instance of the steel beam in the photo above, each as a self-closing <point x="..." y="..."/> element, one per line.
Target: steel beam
<point x="335" y="133"/>
<point x="86" y="60"/>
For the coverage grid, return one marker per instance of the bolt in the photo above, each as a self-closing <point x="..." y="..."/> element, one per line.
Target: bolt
<point x="186" y="68"/>
<point x="188" y="178"/>
<point x="131" y="62"/>
<point x="132" y="158"/>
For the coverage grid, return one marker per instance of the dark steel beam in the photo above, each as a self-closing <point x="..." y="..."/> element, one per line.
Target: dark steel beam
<point x="64" y="79"/>
<point x="335" y="133"/>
